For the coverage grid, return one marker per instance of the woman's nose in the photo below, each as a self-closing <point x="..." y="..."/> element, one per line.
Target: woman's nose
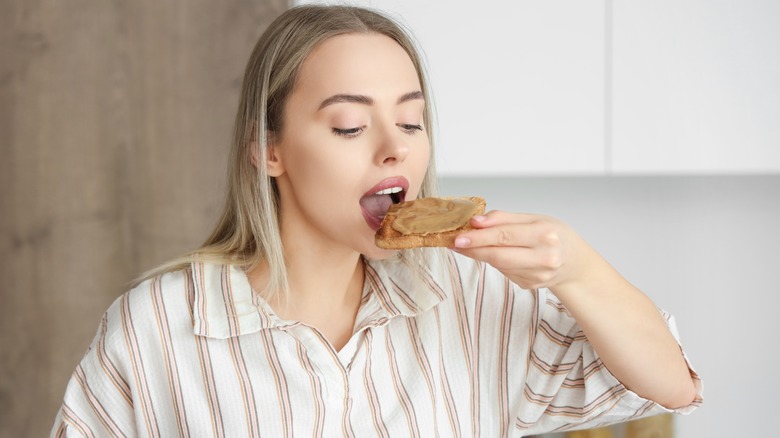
<point x="394" y="147"/>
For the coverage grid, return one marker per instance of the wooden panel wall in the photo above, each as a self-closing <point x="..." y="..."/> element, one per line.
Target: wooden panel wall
<point x="115" y="119"/>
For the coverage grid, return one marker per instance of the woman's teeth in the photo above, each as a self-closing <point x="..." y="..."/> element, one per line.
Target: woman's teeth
<point x="389" y="191"/>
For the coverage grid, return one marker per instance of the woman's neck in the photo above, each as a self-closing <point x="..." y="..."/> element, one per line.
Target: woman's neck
<point x="326" y="288"/>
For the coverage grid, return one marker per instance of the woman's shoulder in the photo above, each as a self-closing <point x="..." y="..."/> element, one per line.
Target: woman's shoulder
<point x="167" y="285"/>
<point x="167" y="297"/>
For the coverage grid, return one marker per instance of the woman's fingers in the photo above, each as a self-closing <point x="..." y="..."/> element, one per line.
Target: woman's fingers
<point x="510" y="235"/>
<point x="504" y="229"/>
<point x="529" y="249"/>
<point x="501" y="257"/>
<point x="497" y="217"/>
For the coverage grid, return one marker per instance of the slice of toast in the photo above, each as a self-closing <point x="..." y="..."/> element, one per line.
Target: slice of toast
<point x="388" y="237"/>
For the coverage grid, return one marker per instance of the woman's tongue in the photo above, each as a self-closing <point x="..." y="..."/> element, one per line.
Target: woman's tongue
<point x="376" y="205"/>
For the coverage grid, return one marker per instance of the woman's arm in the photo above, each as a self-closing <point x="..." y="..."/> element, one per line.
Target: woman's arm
<point x="622" y="324"/>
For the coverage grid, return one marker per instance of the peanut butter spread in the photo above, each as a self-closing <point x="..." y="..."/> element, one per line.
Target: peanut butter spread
<point x="431" y="215"/>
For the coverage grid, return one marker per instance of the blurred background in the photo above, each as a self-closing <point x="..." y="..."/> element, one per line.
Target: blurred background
<point x="651" y="127"/>
<point x="115" y="124"/>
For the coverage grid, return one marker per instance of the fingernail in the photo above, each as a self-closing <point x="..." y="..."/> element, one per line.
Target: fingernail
<point x="462" y="242"/>
<point x="480" y="218"/>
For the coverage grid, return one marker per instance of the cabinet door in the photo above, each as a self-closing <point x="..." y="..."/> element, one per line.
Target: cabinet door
<point x="695" y="86"/>
<point x="518" y="85"/>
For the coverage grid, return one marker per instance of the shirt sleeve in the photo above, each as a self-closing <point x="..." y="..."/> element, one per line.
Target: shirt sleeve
<point x="568" y="387"/>
<point x="98" y="400"/>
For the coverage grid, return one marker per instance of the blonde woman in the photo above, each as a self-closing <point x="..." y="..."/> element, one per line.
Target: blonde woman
<point x="290" y="321"/>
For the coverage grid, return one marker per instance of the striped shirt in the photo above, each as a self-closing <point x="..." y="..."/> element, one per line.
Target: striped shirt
<point x="460" y="352"/>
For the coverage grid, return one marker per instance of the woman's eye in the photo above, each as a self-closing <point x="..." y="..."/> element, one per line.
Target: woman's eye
<point x="409" y="128"/>
<point x="349" y="132"/>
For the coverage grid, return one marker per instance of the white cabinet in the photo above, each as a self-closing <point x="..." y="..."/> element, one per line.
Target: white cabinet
<point x="518" y="85"/>
<point x="696" y="86"/>
<point x="580" y="87"/>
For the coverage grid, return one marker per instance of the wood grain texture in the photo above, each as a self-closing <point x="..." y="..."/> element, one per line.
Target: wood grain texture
<point x="601" y="432"/>
<point x="659" y="426"/>
<point x="115" y="121"/>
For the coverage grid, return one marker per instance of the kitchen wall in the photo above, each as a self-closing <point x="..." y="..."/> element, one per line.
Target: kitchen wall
<point x="706" y="249"/>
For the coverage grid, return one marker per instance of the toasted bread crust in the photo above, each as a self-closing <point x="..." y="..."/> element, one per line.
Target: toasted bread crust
<point x="388" y="238"/>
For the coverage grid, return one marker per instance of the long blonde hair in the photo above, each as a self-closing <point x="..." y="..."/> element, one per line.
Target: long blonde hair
<point x="248" y="231"/>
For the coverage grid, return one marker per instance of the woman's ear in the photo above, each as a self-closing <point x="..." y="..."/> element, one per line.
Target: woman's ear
<point x="273" y="160"/>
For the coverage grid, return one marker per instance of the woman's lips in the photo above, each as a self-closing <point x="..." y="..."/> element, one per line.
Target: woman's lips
<point x="388" y="183"/>
<point x="374" y="206"/>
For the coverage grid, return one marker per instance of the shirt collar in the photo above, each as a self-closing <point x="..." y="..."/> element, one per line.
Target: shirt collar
<point x="400" y="291"/>
<point x="225" y="306"/>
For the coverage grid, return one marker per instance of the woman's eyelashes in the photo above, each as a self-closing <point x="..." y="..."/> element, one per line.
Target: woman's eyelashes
<point x="407" y="128"/>
<point x="349" y="132"/>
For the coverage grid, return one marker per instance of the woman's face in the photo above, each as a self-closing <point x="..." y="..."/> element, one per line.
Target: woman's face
<point x="352" y="130"/>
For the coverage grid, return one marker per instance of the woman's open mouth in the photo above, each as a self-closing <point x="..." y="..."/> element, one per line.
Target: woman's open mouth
<point x="376" y="201"/>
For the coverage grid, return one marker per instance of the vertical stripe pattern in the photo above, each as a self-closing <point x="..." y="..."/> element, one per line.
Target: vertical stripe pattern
<point x="171" y="366"/>
<point x="280" y="383"/>
<point x="204" y="361"/>
<point x="247" y="392"/>
<point x="400" y="391"/>
<point x="373" y="399"/>
<point x="460" y="351"/>
<point x="316" y="392"/>
<point x="139" y="371"/>
<point x="503" y="361"/>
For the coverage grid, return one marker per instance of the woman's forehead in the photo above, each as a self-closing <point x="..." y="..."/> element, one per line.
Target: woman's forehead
<point x="358" y="63"/>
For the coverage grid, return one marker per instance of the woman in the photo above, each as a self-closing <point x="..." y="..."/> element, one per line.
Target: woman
<point x="289" y="320"/>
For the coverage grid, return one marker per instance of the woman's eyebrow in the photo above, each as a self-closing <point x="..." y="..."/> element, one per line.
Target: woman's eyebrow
<point x="350" y="98"/>
<point x="411" y="96"/>
<point x="365" y="100"/>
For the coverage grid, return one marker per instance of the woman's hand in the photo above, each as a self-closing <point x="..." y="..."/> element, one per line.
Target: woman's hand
<point x="531" y="250"/>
